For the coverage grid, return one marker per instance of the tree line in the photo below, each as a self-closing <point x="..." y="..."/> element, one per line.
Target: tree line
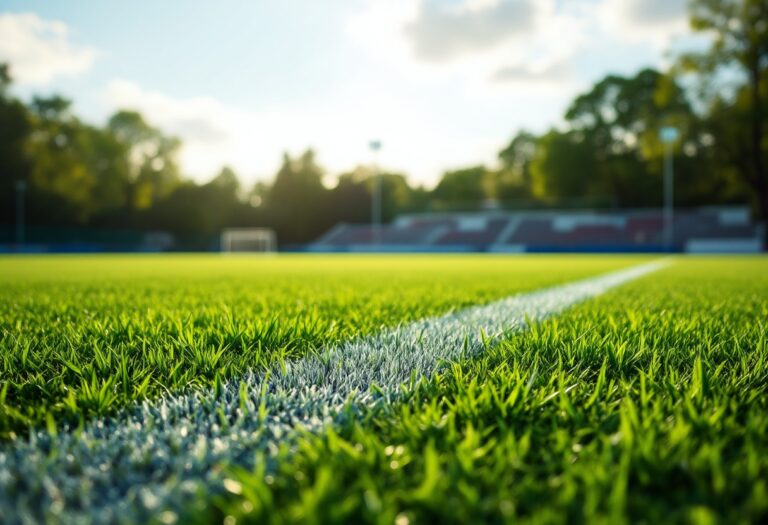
<point x="125" y="174"/>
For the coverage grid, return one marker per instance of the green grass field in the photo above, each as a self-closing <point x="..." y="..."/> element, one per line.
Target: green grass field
<point x="646" y="404"/>
<point x="81" y="336"/>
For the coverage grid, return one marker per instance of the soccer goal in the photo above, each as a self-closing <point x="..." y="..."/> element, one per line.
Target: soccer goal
<point x="248" y="240"/>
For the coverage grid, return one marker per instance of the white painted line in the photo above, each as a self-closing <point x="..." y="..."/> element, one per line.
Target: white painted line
<point x="156" y="455"/>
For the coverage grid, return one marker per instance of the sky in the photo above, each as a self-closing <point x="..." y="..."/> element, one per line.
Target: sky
<point x="442" y="84"/>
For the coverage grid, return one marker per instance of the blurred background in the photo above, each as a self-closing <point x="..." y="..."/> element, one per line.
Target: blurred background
<point x="367" y="125"/>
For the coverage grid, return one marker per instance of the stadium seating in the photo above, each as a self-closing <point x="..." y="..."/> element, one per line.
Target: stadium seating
<point x="717" y="228"/>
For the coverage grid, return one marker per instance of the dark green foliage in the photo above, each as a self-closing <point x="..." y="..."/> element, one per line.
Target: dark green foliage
<point x="469" y="185"/>
<point x="513" y="181"/>
<point x="737" y="115"/>
<point x="15" y="127"/>
<point x="564" y="167"/>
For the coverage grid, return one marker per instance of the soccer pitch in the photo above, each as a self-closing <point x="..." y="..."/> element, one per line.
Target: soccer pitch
<point x="383" y="389"/>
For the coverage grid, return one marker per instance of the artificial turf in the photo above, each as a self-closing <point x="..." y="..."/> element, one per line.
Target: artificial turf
<point x="81" y="336"/>
<point x="647" y="404"/>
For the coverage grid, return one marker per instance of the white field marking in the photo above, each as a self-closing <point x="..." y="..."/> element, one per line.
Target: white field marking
<point x="160" y="454"/>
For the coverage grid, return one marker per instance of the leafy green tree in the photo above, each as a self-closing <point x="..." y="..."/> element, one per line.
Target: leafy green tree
<point x="223" y="204"/>
<point x="465" y="186"/>
<point x="726" y="149"/>
<point x="611" y="152"/>
<point x="564" y="167"/>
<point x="621" y="112"/>
<point x="739" y="31"/>
<point x="620" y="118"/>
<point x="151" y="158"/>
<point x="105" y="158"/>
<point x="60" y="176"/>
<point x="15" y="128"/>
<point x="297" y="200"/>
<point x="77" y="171"/>
<point x="196" y="214"/>
<point x="226" y="181"/>
<point x="398" y="196"/>
<point x="513" y="180"/>
<point x="350" y="200"/>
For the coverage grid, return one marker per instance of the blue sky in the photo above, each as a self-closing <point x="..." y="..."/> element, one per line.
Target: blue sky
<point x="443" y="84"/>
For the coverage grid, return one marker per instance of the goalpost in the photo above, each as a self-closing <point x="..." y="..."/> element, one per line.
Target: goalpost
<point x="262" y="240"/>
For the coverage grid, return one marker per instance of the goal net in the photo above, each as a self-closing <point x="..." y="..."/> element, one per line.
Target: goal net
<point x="248" y="240"/>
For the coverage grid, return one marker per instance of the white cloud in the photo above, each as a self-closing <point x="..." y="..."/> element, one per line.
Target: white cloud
<point x="39" y="50"/>
<point x="473" y="41"/>
<point x="654" y="22"/>
<point x="555" y="72"/>
<point x="523" y="42"/>
<point x="442" y="31"/>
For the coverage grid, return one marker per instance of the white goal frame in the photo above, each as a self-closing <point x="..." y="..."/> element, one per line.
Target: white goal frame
<point x="259" y="240"/>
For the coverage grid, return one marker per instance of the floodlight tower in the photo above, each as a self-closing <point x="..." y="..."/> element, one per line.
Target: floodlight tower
<point x="375" y="146"/>
<point x="21" y="187"/>
<point x="668" y="136"/>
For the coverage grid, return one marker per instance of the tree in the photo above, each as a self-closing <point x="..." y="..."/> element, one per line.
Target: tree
<point x="151" y="158"/>
<point x="513" y="180"/>
<point x="397" y="196"/>
<point x="74" y="171"/>
<point x="739" y="34"/>
<point x="61" y="181"/>
<point x="197" y="213"/>
<point x="78" y="173"/>
<point x="621" y="112"/>
<point x="296" y="202"/>
<point x="226" y="181"/>
<point x="613" y="150"/>
<point x="615" y="117"/>
<point x="465" y="186"/>
<point x="105" y="158"/>
<point x="620" y="117"/>
<point x="222" y="201"/>
<point x="350" y="200"/>
<point x="15" y="128"/>
<point x="564" y="167"/>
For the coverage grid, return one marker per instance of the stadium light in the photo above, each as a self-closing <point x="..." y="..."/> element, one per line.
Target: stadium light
<point x="21" y="186"/>
<point x="668" y="136"/>
<point x="375" y="146"/>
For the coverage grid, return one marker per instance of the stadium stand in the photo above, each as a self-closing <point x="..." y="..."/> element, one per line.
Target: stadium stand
<point x="712" y="229"/>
